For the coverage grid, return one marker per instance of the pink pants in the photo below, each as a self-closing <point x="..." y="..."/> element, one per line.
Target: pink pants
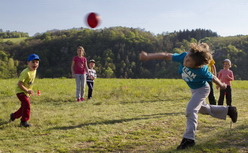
<point x="24" y="110"/>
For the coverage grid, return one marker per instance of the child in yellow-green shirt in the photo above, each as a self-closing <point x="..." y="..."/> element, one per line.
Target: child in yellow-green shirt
<point x="212" y="69"/>
<point x="24" y="90"/>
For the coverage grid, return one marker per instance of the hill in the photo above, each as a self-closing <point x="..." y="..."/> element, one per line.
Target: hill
<point x="116" y="51"/>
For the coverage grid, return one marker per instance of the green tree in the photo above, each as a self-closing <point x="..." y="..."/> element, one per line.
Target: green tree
<point x="109" y="73"/>
<point x="8" y="67"/>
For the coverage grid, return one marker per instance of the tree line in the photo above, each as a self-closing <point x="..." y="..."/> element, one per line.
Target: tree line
<point x="12" y="34"/>
<point x="116" y="51"/>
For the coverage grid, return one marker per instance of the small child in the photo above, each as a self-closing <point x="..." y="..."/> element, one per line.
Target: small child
<point x="226" y="76"/>
<point x="79" y="69"/>
<point x="195" y="73"/>
<point x="212" y="69"/>
<point x="91" y="76"/>
<point x="24" y="90"/>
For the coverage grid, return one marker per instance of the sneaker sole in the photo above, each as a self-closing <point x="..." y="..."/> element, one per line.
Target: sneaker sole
<point x="234" y="113"/>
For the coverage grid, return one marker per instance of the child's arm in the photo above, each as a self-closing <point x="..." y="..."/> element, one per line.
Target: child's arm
<point x="149" y="56"/>
<point x="72" y="69"/>
<point x="214" y="70"/>
<point x="230" y="77"/>
<point x="219" y="76"/>
<point x="20" y="85"/>
<point x="93" y="76"/>
<point x="86" y="67"/>
<point x="219" y="83"/>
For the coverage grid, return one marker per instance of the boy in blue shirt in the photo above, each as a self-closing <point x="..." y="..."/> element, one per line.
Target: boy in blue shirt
<point x="194" y="71"/>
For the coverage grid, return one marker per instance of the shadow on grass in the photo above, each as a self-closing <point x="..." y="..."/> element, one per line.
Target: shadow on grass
<point x="118" y="121"/>
<point x="152" y="101"/>
<point x="228" y="140"/>
<point x="143" y="101"/>
<point x="3" y="122"/>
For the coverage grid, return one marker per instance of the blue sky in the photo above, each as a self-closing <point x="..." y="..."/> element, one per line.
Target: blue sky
<point x="226" y="17"/>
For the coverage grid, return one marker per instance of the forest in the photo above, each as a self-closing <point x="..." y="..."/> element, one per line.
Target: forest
<point x="12" y="34"/>
<point x="116" y="51"/>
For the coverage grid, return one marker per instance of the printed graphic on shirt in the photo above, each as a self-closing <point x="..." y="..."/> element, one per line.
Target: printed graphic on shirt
<point x="187" y="75"/>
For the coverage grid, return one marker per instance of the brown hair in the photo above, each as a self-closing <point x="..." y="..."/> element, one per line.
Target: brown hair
<point x="200" y="53"/>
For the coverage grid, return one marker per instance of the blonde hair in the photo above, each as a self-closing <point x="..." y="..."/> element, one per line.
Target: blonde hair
<point x="200" y="53"/>
<point x="81" y="47"/>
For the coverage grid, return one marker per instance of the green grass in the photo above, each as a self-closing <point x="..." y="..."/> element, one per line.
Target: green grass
<point x="15" y="40"/>
<point x="125" y="115"/>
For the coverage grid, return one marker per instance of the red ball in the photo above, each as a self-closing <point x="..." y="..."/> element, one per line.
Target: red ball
<point x="93" y="20"/>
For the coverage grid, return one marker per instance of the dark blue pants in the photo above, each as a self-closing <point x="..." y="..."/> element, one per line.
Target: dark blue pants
<point x="90" y="89"/>
<point x="211" y="97"/>
<point x="228" y="93"/>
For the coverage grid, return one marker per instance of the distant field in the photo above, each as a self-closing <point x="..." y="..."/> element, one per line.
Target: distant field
<point x="124" y="116"/>
<point x="15" y="40"/>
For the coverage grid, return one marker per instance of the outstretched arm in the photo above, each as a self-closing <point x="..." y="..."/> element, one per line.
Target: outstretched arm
<point x="219" y="83"/>
<point x="149" y="56"/>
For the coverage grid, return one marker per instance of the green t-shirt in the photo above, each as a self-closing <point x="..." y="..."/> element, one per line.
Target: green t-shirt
<point x="27" y="77"/>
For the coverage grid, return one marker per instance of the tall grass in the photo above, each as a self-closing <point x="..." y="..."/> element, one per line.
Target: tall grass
<point x="125" y="115"/>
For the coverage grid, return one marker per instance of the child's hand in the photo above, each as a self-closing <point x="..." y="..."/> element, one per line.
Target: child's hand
<point x="143" y="56"/>
<point x="223" y="86"/>
<point x="228" y="77"/>
<point x="30" y="92"/>
<point x="91" y="77"/>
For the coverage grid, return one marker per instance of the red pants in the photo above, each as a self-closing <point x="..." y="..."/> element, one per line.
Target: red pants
<point x="24" y="110"/>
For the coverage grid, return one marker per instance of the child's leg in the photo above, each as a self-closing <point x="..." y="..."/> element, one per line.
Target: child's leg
<point x="88" y="83"/>
<point x="229" y="96"/>
<point x="90" y="90"/>
<point x="78" y="85"/>
<point x="24" y="110"/>
<point x="211" y="97"/>
<point x="221" y="98"/>
<point x="215" y="111"/>
<point x="83" y="83"/>
<point x="92" y="87"/>
<point x="198" y="97"/>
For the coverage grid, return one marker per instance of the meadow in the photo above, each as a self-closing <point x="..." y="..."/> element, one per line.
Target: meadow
<point x="124" y="115"/>
<point x="15" y="40"/>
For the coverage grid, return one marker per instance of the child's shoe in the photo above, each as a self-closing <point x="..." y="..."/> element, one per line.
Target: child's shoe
<point x="186" y="143"/>
<point x="11" y="118"/>
<point x="232" y="112"/>
<point x="82" y="99"/>
<point x="78" y="100"/>
<point x="25" y="124"/>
